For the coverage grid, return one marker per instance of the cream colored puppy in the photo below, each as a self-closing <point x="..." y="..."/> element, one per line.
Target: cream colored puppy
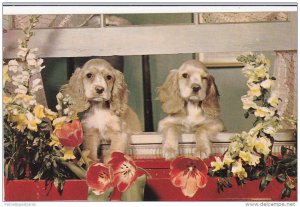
<point x="100" y="91"/>
<point x="190" y="97"/>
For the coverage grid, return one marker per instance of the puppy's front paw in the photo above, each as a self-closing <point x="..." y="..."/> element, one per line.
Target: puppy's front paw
<point x="203" y="152"/>
<point x="169" y="152"/>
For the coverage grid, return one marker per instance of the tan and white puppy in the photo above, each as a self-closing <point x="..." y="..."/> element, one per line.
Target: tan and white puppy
<point x="101" y="91"/>
<point x="190" y="97"/>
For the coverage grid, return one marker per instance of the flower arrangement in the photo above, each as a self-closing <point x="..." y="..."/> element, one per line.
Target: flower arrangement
<point x="31" y="148"/>
<point x="249" y="155"/>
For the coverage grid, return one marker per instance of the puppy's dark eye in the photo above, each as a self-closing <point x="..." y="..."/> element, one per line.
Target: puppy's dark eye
<point x="185" y="75"/>
<point x="89" y="75"/>
<point x="204" y="78"/>
<point x="108" y="77"/>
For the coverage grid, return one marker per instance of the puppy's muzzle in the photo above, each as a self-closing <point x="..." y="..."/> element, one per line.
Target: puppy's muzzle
<point x="99" y="90"/>
<point x="196" y="87"/>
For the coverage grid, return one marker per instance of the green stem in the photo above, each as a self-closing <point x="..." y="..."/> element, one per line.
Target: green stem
<point x="78" y="171"/>
<point x="86" y="162"/>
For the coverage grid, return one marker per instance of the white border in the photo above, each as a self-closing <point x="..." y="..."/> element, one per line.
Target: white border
<point x="100" y="9"/>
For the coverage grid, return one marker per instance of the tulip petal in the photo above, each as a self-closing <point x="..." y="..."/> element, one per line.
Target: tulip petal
<point x="98" y="177"/>
<point x="180" y="179"/>
<point x="189" y="174"/>
<point x="60" y="133"/>
<point x="123" y="186"/>
<point x="76" y="124"/>
<point x="201" y="180"/>
<point x="191" y="187"/>
<point x="69" y="135"/>
<point x="179" y="163"/>
<point x="124" y="169"/>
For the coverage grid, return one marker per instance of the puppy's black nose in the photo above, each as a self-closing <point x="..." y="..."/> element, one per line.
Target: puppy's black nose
<point x="196" y="88"/>
<point x="99" y="90"/>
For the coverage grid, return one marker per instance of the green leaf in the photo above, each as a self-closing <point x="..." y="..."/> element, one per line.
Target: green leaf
<point x="269" y="177"/>
<point x="288" y="193"/>
<point x="38" y="176"/>
<point x="56" y="183"/>
<point x="103" y="197"/>
<point x="283" y="150"/>
<point x="281" y="178"/>
<point x="136" y="191"/>
<point x="7" y="170"/>
<point x="283" y="193"/>
<point x="263" y="184"/>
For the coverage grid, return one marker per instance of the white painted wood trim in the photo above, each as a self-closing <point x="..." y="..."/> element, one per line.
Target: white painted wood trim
<point x="149" y="145"/>
<point x="222" y="137"/>
<point x="167" y="39"/>
<point x="155" y="150"/>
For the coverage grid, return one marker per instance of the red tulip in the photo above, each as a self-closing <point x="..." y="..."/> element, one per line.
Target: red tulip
<point x="189" y="174"/>
<point x="70" y="134"/>
<point x="98" y="177"/>
<point x="125" y="172"/>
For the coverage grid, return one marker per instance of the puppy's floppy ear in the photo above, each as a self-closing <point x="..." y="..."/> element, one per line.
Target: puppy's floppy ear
<point x="119" y="97"/>
<point x="75" y="90"/>
<point x="169" y="94"/>
<point x="211" y="103"/>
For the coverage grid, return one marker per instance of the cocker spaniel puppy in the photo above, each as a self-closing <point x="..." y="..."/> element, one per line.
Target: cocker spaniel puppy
<point x="100" y="91"/>
<point x="190" y="97"/>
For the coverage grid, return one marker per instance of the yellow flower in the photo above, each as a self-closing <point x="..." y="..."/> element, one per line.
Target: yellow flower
<point x="39" y="111"/>
<point x="251" y="158"/>
<point x="267" y="62"/>
<point x="5" y="75"/>
<point x="20" y="120"/>
<point x="248" y="70"/>
<point x="58" y="122"/>
<point x="32" y="125"/>
<point x="251" y="140"/>
<point x="23" y="97"/>
<point x="254" y="89"/>
<point x="254" y="131"/>
<point x="218" y="165"/>
<point x="50" y="114"/>
<point x="273" y="100"/>
<point x="227" y="160"/>
<point x="248" y="102"/>
<point x="266" y="83"/>
<point x="32" y="121"/>
<point x="263" y="112"/>
<point x="74" y="115"/>
<point x="7" y="99"/>
<point x="235" y="147"/>
<point x="68" y="153"/>
<point x="260" y="71"/>
<point x="85" y="154"/>
<point x="54" y="140"/>
<point x="238" y="170"/>
<point x="262" y="145"/>
<point x="270" y="130"/>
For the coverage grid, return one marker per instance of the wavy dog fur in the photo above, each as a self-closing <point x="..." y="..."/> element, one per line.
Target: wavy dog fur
<point x="190" y="97"/>
<point x="100" y="91"/>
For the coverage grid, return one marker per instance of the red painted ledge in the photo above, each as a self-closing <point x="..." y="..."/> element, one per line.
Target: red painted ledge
<point x="158" y="188"/>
